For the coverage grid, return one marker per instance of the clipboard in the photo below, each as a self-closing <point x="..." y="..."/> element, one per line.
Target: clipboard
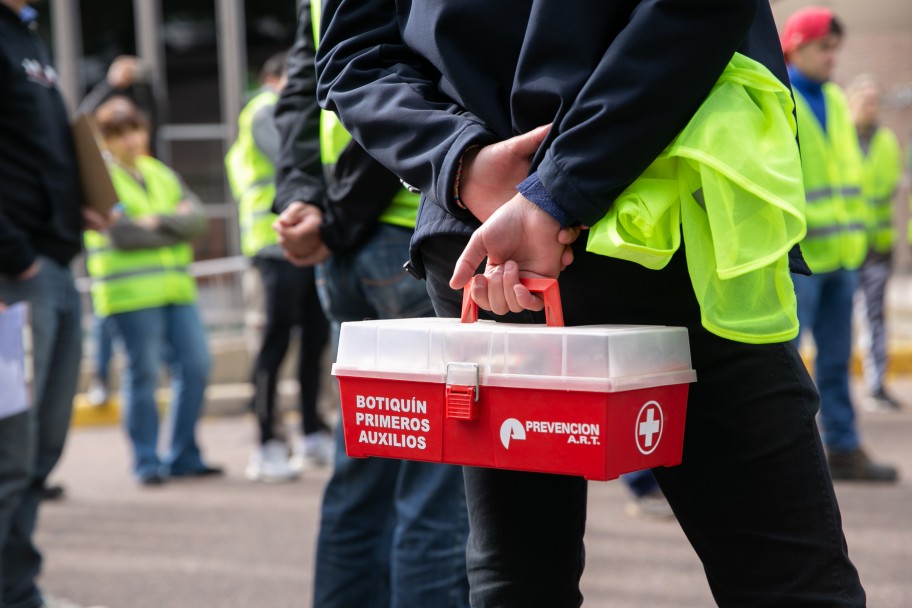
<point x="97" y="187"/>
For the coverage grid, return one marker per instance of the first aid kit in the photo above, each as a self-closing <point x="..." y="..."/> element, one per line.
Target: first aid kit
<point x="594" y="401"/>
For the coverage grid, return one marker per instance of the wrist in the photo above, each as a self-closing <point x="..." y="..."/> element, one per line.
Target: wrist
<point x="533" y="190"/>
<point x="461" y="169"/>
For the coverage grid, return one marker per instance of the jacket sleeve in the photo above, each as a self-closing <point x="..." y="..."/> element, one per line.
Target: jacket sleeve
<point x="172" y="229"/>
<point x="387" y="98"/>
<point x="299" y="172"/>
<point x="647" y="85"/>
<point x="126" y="235"/>
<point x="187" y="224"/>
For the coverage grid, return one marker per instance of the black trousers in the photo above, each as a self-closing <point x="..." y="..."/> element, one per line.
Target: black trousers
<point x="753" y="493"/>
<point x="290" y="301"/>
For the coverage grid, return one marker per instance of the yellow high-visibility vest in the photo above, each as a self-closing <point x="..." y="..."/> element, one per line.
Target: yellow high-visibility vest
<point x="251" y="176"/>
<point x="882" y="170"/>
<point x="731" y="183"/>
<point x="837" y="215"/>
<point x="125" y="281"/>
<point x="403" y="209"/>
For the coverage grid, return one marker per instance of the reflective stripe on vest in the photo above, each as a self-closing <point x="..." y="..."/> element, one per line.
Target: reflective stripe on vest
<point x="125" y="281"/>
<point x="251" y="176"/>
<point x="731" y="183"/>
<point x="837" y="215"/>
<point x="403" y="209"/>
<point x="882" y="172"/>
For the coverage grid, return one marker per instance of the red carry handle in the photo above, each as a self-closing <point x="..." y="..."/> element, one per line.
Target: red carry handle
<point x="554" y="314"/>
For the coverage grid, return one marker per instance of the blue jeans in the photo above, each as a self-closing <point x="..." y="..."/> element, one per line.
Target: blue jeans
<point x="392" y="533"/>
<point x="103" y="339"/>
<point x="176" y="334"/>
<point x="825" y="308"/>
<point x="31" y="442"/>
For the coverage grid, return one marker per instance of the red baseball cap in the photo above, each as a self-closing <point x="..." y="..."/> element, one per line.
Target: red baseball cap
<point x="806" y="25"/>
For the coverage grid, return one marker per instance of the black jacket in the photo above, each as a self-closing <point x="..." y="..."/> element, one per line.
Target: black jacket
<point x="40" y="191"/>
<point x="357" y="191"/>
<point x="618" y="79"/>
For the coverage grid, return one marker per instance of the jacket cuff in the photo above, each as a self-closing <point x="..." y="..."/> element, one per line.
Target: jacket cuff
<point x="535" y="191"/>
<point x="445" y="188"/>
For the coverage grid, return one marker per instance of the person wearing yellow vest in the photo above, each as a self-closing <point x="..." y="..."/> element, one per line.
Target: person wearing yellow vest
<point x="882" y="173"/>
<point x="523" y="122"/>
<point x="837" y="232"/>
<point x="141" y="282"/>
<point x="392" y="533"/>
<point x="289" y="292"/>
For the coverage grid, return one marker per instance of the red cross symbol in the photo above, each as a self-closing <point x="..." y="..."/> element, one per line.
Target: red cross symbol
<point x="649" y="426"/>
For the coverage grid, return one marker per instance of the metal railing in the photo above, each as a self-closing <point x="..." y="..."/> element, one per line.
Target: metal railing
<point x="221" y="300"/>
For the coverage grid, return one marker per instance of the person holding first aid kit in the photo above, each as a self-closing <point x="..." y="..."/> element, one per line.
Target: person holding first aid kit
<point x="522" y="125"/>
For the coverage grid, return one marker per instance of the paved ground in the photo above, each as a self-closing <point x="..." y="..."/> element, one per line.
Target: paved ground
<point x="231" y="544"/>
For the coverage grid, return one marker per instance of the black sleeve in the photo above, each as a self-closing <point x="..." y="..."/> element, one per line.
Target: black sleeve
<point x="16" y="254"/>
<point x="299" y="173"/>
<point x="357" y="193"/>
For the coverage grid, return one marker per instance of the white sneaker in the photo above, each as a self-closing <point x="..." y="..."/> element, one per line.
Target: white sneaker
<point x="270" y="463"/>
<point x="313" y="450"/>
<point x="97" y="393"/>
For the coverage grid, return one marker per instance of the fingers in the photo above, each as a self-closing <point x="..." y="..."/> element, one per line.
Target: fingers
<point x="292" y="215"/>
<point x="566" y="257"/>
<point x="301" y="239"/>
<point x="94" y="220"/>
<point x="317" y="256"/>
<point x="527" y="144"/>
<point x="500" y="290"/>
<point x="469" y="261"/>
<point x="568" y="235"/>
<point x="526" y="299"/>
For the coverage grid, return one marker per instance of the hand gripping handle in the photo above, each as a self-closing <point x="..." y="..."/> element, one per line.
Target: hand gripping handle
<point x="554" y="314"/>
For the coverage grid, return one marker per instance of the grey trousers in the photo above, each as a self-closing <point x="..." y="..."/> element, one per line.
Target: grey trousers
<point x="872" y="284"/>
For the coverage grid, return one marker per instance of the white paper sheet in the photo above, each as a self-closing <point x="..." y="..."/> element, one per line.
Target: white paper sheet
<point x="14" y="372"/>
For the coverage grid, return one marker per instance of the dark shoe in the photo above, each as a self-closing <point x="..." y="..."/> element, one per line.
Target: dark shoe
<point x="882" y="401"/>
<point x="206" y="471"/>
<point x="151" y="481"/>
<point x="854" y="465"/>
<point x="52" y="492"/>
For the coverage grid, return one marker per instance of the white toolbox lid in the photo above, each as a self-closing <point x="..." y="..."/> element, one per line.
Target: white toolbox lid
<point x="595" y="358"/>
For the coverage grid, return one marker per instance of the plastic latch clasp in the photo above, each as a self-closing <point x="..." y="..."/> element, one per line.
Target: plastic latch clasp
<point x="462" y="391"/>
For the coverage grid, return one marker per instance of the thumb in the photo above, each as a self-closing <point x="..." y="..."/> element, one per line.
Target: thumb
<point x="468" y="262"/>
<point x="528" y="144"/>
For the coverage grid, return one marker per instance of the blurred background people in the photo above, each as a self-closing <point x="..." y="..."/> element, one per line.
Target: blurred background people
<point x="128" y="77"/>
<point x="141" y="282"/>
<point x="40" y="227"/>
<point x="882" y="172"/>
<point x="289" y="292"/>
<point x="392" y="533"/>
<point x="836" y="243"/>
